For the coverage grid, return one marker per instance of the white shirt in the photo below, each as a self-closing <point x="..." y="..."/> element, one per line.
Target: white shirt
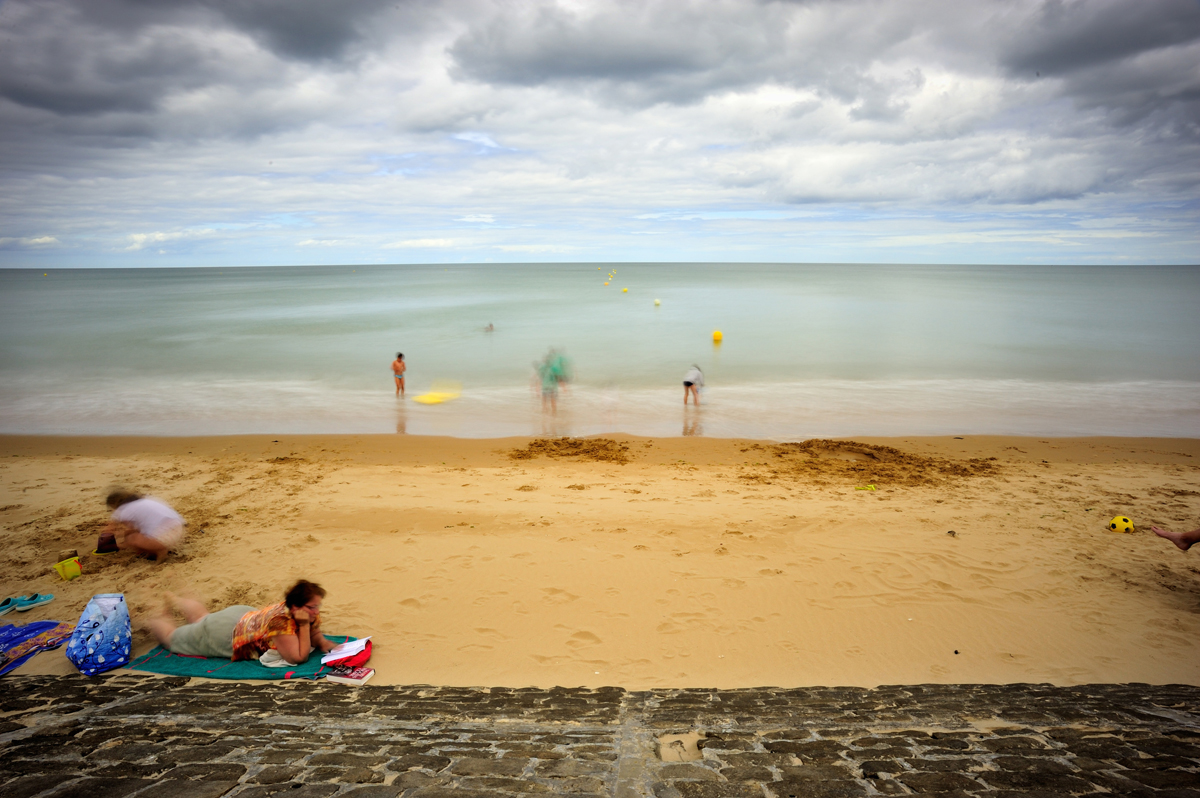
<point x="694" y="377"/>
<point x="147" y="515"/>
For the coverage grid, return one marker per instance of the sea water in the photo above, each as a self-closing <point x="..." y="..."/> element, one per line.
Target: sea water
<point x="807" y="350"/>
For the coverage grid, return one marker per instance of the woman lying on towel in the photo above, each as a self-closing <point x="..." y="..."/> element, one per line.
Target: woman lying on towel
<point x="279" y="635"/>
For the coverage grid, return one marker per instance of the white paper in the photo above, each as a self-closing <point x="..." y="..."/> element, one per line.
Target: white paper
<point x="345" y="650"/>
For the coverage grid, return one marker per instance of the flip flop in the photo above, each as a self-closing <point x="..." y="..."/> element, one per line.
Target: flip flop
<point x="25" y="603"/>
<point x="8" y="605"/>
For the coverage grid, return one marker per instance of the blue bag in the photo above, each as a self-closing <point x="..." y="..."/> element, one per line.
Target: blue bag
<point x="101" y="640"/>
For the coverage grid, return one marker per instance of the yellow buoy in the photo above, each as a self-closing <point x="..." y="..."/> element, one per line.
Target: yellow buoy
<point x="606" y="283"/>
<point x="657" y="303"/>
<point x="624" y="290"/>
<point x="717" y="336"/>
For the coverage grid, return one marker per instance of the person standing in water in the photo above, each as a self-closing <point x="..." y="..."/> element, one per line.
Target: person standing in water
<point x="398" y="369"/>
<point x="693" y="381"/>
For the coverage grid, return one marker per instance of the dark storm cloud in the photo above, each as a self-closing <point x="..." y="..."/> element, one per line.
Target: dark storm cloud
<point x="1134" y="61"/>
<point x="303" y="29"/>
<point x="640" y="53"/>
<point x="100" y="56"/>
<point x="1064" y="37"/>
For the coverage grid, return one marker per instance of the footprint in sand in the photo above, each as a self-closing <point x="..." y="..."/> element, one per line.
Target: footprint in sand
<point x="492" y="633"/>
<point x="411" y="604"/>
<point x="473" y="648"/>
<point x="544" y="660"/>
<point x="582" y="640"/>
<point x="556" y="595"/>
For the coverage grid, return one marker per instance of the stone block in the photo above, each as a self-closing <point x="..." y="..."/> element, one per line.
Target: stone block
<point x="488" y="767"/>
<point x="348" y="760"/>
<point x="1030" y="780"/>
<point x="276" y="775"/>
<point x="278" y="757"/>
<point x="585" y="785"/>
<point x="506" y="785"/>
<point x="1030" y="764"/>
<point x="343" y="775"/>
<point x="1006" y="744"/>
<point x="957" y="765"/>
<point x="422" y="761"/>
<point x="101" y="788"/>
<point x="438" y="791"/>
<point x="187" y="789"/>
<point x="196" y="753"/>
<point x="566" y="768"/>
<point x="127" y="752"/>
<point x="126" y="771"/>
<point x="1159" y="779"/>
<point x="375" y="791"/>
<point x="764" y="760"/>
<point x="747" y="773"/>
<point x="707" y="789"/>
<point x="789" y="788"/>
<point x="821" y="772"/>
<point x="937" y="782"/>
<point x="419" y="778"/>
<point x="815" y="749"/>
<point x="290" y="790"/>
<point x="28" y="786"/>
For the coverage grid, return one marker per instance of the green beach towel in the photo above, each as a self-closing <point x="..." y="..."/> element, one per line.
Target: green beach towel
<point x="159" y="660"/>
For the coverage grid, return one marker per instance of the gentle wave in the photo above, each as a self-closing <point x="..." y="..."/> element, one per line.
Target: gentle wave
<point x="776" y="411"/>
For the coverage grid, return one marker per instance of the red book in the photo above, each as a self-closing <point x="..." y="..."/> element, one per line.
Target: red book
<point x="349" y="675"/>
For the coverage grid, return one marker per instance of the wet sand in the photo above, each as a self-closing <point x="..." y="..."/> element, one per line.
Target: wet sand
<point x="649" y="563"/>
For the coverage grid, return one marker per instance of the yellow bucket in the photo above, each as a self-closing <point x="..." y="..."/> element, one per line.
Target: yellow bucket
<point x="69" y="569"/>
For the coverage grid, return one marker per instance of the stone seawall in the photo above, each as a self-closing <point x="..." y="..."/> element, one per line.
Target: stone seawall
<point x="157" y="737"/>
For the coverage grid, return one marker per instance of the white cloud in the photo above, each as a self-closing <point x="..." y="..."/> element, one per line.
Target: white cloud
<point x="138" y="241"/>
<point x="422" y="243"/>
<point x="480" y="218"/>
<point x="536" y="249"/>
<point x="322" y="242"/>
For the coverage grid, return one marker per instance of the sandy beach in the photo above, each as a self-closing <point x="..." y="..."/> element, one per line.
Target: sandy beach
<point x="652" y="562"/>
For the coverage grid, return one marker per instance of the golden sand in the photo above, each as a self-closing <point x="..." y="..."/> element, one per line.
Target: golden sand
<point x="647" y="563"/>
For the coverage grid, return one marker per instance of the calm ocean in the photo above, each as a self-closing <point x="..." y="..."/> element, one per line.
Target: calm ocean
<point x="808" y="350"/>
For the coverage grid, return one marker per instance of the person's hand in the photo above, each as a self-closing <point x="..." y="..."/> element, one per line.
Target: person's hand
<point x="301" y="615"/>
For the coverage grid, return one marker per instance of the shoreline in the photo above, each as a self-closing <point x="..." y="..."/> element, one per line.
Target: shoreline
<point x="699" y="562"/>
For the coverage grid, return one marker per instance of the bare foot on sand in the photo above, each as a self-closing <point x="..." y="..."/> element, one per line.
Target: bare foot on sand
<point x="1183" y="540"/>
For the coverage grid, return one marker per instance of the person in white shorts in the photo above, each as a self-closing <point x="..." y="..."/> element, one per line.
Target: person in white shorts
<point x="148" y="525"/>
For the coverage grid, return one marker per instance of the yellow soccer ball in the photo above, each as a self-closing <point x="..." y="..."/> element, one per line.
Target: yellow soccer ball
<point x="1120" y="524"/>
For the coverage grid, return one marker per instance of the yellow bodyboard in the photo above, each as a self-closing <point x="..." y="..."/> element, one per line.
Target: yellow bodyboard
<point x="440" y="392"/>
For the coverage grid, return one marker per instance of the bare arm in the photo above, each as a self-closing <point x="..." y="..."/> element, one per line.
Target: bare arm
<point x="294" y="648"/>
<point x="320" y="643"/>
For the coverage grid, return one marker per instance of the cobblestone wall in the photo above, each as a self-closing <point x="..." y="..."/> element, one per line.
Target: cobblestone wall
<point x="152" y="736"/>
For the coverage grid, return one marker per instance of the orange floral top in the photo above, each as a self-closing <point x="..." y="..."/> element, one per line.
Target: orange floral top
<point x="255" y="633"/>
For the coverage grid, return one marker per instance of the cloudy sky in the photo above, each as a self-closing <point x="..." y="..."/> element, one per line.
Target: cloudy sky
<point x="248" y="132"/>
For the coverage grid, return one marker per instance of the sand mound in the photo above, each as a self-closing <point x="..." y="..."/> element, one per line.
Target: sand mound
<point x="596" y="449"/>
<point x="828" y="462"/>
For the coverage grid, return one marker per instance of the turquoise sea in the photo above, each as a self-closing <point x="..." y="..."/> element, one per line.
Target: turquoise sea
<point x="808" y="350"/>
